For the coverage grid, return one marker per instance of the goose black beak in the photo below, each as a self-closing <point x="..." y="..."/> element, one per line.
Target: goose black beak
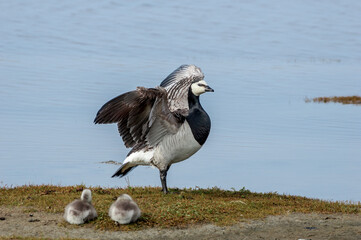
<point x="209" y="89"/>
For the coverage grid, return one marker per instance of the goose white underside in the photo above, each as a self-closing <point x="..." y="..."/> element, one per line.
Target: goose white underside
<point x="173" y="148"/>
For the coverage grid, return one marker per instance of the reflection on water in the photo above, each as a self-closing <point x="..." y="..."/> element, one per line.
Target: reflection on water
<point x="59" y="62"/>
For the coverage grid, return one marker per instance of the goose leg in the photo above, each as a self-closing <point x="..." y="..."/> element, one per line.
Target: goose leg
<point x="163" y="179"/>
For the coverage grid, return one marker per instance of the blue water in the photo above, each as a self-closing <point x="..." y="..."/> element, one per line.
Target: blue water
<point x="60" y="61"/>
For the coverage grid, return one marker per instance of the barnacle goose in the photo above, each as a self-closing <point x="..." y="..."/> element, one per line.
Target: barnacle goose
<point x="124" y="210"/>
<point x="162" y="125"/>
<point x="81" y="210"/>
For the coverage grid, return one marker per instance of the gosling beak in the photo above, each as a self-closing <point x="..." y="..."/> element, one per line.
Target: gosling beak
<point x="209" y="89"/>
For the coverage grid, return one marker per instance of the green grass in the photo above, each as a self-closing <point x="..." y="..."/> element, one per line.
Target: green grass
<point x="181" y="208"/>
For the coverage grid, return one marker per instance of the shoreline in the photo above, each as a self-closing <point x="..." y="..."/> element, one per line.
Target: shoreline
<point x="36" y="212"/>
<point x="41" y="225"/>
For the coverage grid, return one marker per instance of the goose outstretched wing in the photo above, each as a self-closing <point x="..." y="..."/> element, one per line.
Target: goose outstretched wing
<point x="143" y="116"/>
<point x="177" y="85"/>
<point x="146" y="115"/>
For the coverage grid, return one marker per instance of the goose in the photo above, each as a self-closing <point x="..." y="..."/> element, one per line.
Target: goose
<point x="124" y="210"/>
<point x="163" y="125"/>
<point x="81" y="210"/>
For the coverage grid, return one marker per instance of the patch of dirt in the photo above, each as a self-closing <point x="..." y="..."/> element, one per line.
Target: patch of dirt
<point x="17" y="222"/>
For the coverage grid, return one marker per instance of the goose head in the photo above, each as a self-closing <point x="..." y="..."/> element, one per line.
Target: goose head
<point x="200" y="87"/>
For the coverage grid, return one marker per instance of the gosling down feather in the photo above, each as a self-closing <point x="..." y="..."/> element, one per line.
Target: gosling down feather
<point x="162" y="125"/>
<point x="124" y="210"/>
<point x="81" y="210"/>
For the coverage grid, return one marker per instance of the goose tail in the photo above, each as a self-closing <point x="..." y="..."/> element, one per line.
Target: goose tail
<point x="123" y="170"/>
<point x="137" y="156"/>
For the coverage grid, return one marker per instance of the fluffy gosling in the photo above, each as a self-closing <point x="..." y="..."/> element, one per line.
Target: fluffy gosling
<point x="81" y="210"/>
<point x="124" y="210"/>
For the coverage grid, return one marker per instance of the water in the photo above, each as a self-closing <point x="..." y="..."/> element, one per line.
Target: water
<point x="61" y="61"/>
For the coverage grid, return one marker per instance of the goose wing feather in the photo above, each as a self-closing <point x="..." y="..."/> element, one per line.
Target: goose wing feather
<point x="177" y="85"/>
<point x="143" y="116"/>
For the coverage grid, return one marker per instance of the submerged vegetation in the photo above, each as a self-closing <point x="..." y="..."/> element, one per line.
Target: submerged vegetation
<point x="343" y="100"/>
<point x="180" y="208"/>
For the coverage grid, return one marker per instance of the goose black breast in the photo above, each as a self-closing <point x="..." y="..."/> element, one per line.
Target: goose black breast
<point x="198" y="119"/>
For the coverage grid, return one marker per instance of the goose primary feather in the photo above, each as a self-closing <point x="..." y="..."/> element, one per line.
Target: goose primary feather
<point x="162" y="125"/>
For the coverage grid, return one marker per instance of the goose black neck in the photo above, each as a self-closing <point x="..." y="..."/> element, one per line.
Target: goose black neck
<point x="193" y="100"/>
<point x="198" y="119"/>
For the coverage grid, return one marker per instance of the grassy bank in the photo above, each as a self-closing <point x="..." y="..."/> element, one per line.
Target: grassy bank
<point x="181" y="208"/>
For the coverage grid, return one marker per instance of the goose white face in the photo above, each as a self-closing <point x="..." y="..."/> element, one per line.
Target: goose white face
<point x="200" y="87"/>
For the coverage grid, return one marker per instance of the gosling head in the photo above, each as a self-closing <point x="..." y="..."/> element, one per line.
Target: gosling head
<point x="124" y="197"/>
<point x="86" y="196"/>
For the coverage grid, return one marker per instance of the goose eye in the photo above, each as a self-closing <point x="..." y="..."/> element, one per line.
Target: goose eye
<point x="201" y="85"/>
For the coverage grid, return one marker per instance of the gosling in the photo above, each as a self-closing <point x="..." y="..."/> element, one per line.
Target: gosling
<point x="124" y="210"/>
<point x="81" y="210"/>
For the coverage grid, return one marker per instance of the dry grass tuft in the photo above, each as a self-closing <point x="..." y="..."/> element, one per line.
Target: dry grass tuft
<point x="344" y="100"/>
<point x="181" y="208"/>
